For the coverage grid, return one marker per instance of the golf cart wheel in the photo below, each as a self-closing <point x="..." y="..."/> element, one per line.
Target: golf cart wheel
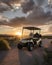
<point x="19" y="46"/>
<point x="30" y="47"/>
<point x="40" y="43"/>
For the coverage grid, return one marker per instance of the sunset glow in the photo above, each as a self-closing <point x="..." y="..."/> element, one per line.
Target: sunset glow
<point x="19" y="33"/>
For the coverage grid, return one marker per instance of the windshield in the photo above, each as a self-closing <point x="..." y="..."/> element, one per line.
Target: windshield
<point x="29" y="33"/>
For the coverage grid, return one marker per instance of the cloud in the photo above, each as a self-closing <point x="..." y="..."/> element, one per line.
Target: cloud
<point x="4" y="20"/>
<point x="50" y="28"/>
<point x="18" y="22"/>
<point x="22" y="21"/>
<point x="15" y="22"/>
<point x="39" y="17"/>
<point x="40" y="2"/>
<point x="7" y="4"/>
<point x="39" y="13"/>
<point x="27" y="5"/>
<point x="4" y="7"/>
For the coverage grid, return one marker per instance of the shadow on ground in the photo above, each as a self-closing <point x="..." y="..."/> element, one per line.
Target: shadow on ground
<point x="23" y="57"/>
<point x="3" y="54"/>
<point x="36" y="57"/>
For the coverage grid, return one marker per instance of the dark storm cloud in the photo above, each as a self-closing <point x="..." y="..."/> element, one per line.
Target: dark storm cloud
<point x="8" y="4"/>
<point x="27" y="5"/>
<point x="4" y="7"/>
<point x="39" y="13"/>
<point x="39" y="17"/>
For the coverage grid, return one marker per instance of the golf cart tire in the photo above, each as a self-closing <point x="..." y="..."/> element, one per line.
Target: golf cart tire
<point x="30" y="47"/>
<point x="40" y="43"/>
<point x="19" y="46"/>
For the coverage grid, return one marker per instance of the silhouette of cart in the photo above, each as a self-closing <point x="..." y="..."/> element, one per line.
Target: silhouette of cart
<point x="33" y="39"/>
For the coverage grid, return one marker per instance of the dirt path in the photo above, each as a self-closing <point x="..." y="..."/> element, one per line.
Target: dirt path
<point x="11" y="57"/>
<point x="22" y="57"/>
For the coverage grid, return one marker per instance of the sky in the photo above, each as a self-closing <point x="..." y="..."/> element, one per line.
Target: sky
<point x="15" y="14"/>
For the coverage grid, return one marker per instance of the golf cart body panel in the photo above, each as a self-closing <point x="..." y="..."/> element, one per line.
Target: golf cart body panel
<point x="26" y="41"/>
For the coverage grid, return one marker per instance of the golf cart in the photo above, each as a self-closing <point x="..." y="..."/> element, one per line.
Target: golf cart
<point x="33" y="39"/>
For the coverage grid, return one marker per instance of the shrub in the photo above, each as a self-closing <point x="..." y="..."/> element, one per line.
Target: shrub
<point x="4" y="45"/>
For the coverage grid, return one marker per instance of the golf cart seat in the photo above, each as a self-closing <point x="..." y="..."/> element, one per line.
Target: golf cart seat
<point x="37" y="35"/>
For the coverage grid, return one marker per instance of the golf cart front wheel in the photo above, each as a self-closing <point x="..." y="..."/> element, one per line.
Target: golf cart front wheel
<point x="19" y="46"/>
<point x="40" y="43"/>
<point x="30" y="47"/>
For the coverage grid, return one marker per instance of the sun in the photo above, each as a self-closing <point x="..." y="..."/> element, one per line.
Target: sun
<point x="19" y="33"/>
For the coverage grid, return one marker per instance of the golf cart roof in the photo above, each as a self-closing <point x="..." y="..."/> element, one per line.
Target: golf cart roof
<point x="32" y="28"/>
